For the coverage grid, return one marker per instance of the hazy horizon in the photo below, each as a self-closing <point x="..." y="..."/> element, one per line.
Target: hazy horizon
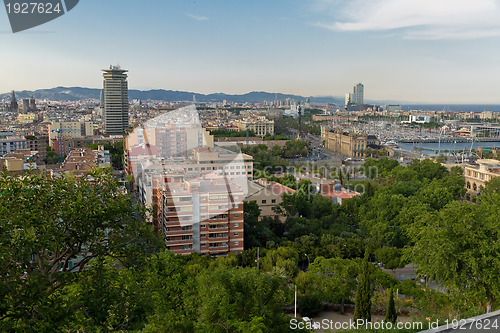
<point x="417" y="51"/>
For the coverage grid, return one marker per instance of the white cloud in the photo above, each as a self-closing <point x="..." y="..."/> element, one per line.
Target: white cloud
<point x="417" y="19"/>
<point x="197" y="17"/>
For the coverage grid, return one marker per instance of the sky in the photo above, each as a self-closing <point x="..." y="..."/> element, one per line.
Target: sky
<point x="419" y="51"/>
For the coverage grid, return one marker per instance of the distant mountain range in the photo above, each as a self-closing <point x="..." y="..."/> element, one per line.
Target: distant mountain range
<point x="78" y="93"/>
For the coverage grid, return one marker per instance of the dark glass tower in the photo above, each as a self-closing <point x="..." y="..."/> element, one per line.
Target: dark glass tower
<point x="115" y="96"/>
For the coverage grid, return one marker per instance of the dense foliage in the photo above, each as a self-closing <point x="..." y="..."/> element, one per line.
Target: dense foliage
<point x="231" y="134"/>
<point x="412" y="214"/>
<point x="122" y="279"/>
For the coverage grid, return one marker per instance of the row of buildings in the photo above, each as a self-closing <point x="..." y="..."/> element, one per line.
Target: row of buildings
<point x="78" y="162"/>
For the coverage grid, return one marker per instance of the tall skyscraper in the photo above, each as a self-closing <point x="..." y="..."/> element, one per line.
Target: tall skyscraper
<point x="13" y="103"/>
<point x="115" y="95"/>
<point x="358" y="94"/>
<point x="32" y="103"/>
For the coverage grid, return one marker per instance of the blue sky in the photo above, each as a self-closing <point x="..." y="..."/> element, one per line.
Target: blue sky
<point x="434" y="51"/>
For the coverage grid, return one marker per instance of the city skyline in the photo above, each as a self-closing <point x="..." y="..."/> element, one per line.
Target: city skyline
<point x="415" y="51"/>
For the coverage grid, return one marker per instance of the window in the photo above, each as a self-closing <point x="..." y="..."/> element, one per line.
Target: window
<point x="186" y="247"/>
<point x="236" y="243"/>
<point x="236" y="234"/>
<point x="264" y="201"/>
<point x="186" y="228"/>
<point x="186" y="237"/>
<point x="273" y="201"/>
<point x="236" y="225"/>
<point x="236" y="215"/>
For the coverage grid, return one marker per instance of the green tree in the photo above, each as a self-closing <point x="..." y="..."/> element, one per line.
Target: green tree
<point x="257" y="233"/>
<point x="294" y="205"/>
<point x="52" y="227"/>
<point x="283" y="260"/>
<point x="459" y="247"/>
<point x="391" y="315"/>
<point x="321" y="206"/>
<point x="334" y="279"/>
<point x="391" y="257"/>
<point x="52" y="157"/>
<point x="363" y="303"/>
<point x="373" y="168"/>
<point x="238" y="300"/>
<point x="309" y="305"/>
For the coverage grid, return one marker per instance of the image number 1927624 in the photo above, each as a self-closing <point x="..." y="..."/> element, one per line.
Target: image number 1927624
<point x="27" y="14"/>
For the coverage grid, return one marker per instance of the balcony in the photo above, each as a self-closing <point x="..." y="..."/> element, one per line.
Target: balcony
<point x="219" y="239"/>
<point x="178" y="232"/>
<point x="217" y="227"/>
<point x="178" y="213"/>
<point x="218" y="249"/>
<point x="181" y="251"/>
<point x="176" y="242"/>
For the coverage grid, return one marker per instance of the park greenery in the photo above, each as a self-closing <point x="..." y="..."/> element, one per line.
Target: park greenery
<point x="283" y="126"/>
<point x="52" y="157"/>
<point x="274" y="159"/>
<point x="231" y="134"/>
<point x="77" y="254"/>
<point x="411" y="214"/>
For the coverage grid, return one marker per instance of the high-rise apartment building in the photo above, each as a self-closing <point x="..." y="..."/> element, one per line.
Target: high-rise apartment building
<point x="115" y="96"/>
<point x="356" y="98"/>
<point x="196" y="190"/>
<point x="203" y="215"/>
<point x="358" y="94"/>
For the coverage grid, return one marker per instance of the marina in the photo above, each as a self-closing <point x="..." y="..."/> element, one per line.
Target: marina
<point x="435" y="148"/>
